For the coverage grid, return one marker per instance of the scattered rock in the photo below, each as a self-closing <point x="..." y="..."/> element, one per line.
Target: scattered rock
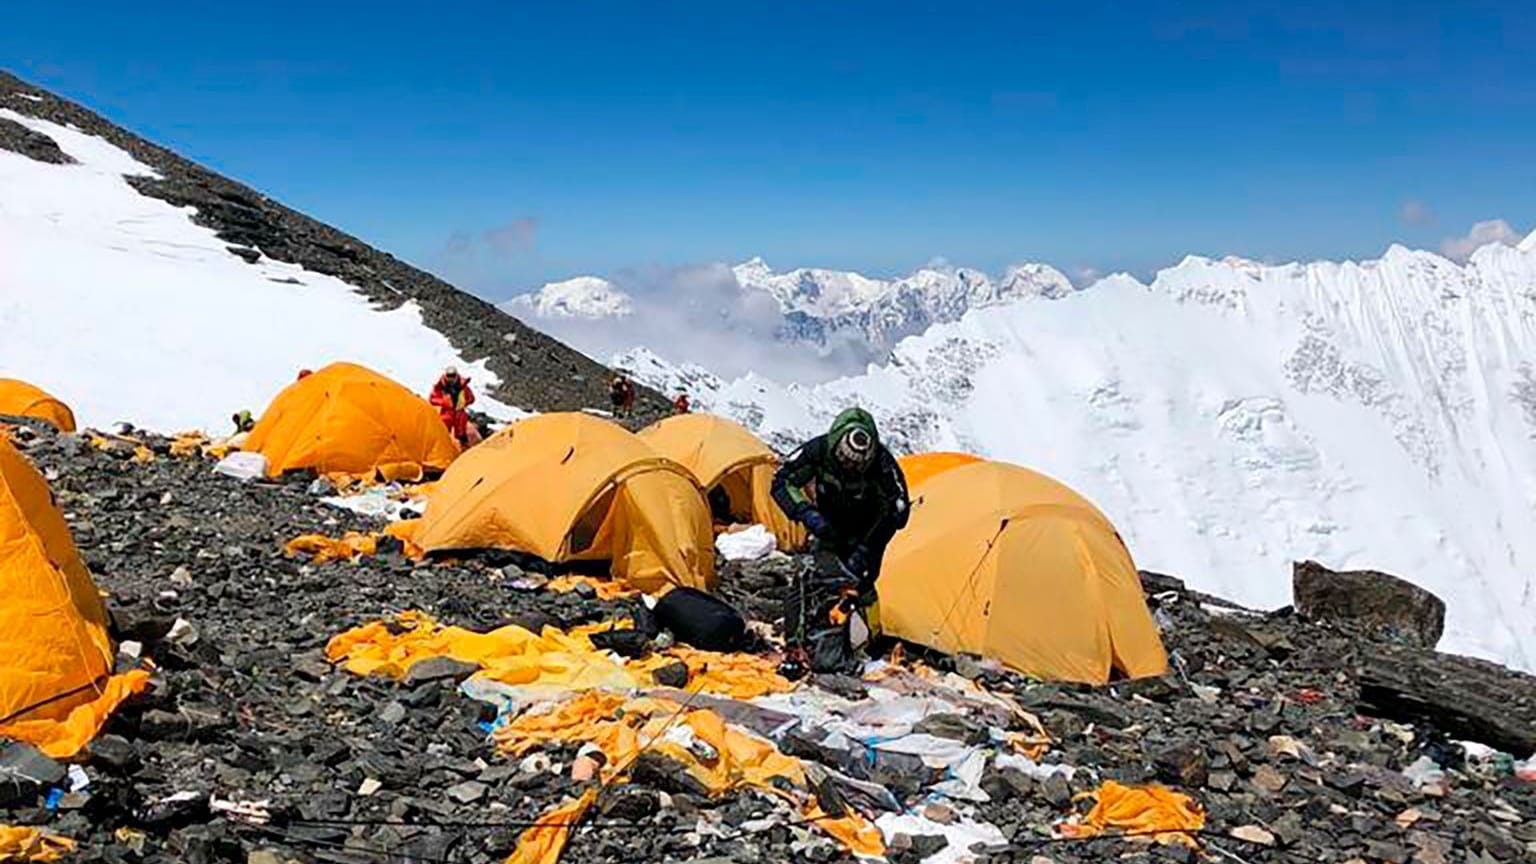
<point x="672" y="675"/>
<point x="1253" y="834"/>
<point x="1393" y="607"/>
<point x="438" y="669"/>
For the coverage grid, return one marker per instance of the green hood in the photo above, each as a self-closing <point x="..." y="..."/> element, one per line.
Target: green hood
<point x="850" y="419"/>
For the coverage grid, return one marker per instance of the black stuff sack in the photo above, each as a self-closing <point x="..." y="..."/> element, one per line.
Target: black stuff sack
<point x="701" y="620"/>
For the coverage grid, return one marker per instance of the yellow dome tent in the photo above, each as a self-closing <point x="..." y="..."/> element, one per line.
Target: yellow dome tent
<point x="20" y="399"/>
<point x="572" y="487"/>
<point x="722" y="453"/>
<point x="346" y="419"/>
<point x="918" y="468"/>
<point x="56" y="687"/>
<point x="1004" y="562"/>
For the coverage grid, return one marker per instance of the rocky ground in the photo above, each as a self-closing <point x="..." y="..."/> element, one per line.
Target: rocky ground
<point x="1262" y="724"/>
<point x="537" y="372"/>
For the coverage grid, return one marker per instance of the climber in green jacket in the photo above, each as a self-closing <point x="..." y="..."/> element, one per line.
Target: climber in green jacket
<point x="848" y="491"/>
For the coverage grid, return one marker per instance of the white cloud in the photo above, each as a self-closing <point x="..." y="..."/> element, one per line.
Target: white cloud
<point x="700" y="314"/>
<point x="1482" y="234"/>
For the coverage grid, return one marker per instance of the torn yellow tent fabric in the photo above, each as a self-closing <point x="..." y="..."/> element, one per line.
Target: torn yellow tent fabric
<point x="739" y="676"/>
<point x="543" y="843"/>
<point x="514" y="655"/>
<point x="405" y="532"/>
<point x="1165" y="815"/>
<point x="607" y="589"/>
<point x="510" y="654"/>
<point x="857" y="834"/>
<point x="322" y="549"/>
<point x="67" y="733"/>
<point x="25" y="843"/>
<point x="622" y="728"/>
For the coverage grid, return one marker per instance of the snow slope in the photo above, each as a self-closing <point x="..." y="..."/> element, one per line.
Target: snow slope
<point x="582" y="297"/>
<point x="126" y="310"/>
<point x="1233" y="417"/>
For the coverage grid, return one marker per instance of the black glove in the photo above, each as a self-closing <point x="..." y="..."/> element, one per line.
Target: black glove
<point x="857" y="563"/>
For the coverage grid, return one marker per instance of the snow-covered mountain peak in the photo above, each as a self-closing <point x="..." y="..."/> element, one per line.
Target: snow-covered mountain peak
<point x="1528" y="244"/>
<point x="582" y="297"/>
<point x="1233" y="417"/>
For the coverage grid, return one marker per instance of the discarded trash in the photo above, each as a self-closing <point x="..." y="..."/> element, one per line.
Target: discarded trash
<point x="748" y="544"/>
<point x="242" y="466"/>
<point x="605" y="589"/>
<point x="1170" y="817"/>
<point x="250" y="812"/>
<point x="322" y="549"/>
<point x="24" y="843"/>
<point x="1526" y="770"/>
<point x="1426" y="776"/>
<point x="77" y="778"/>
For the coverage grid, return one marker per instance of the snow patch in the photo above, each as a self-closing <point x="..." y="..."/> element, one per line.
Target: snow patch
<point x="123" y="307"/>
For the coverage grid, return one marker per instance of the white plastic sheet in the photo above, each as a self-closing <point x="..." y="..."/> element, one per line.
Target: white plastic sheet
<point x="748" y="544"/>
<point x="242" y="465"/>
<point x="962" y="834"/>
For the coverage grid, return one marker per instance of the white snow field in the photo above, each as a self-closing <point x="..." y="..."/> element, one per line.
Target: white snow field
<point x="1233" y="417"/>
<point x="122" y="307"/>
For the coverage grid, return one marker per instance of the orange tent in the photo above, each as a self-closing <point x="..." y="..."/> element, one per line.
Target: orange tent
<point x="56" y="687"/>
<point x="345" y="419"/>
<point x="919" y="467"/>
<point x="573" y="487"/>
<point x="20" y="399"/>
<point x="723" y="455"/>
<point x="1004" y="562"/>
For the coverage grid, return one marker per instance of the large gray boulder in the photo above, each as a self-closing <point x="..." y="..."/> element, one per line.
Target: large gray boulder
<point x="1397" y="610"/>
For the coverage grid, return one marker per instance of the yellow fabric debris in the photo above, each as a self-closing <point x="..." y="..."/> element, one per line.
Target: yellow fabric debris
<point x="405" y="532"/>
<point x="69" y="731"/>
<point x="143" y="455"/>
<point x="857" y="834"/>
<point x="607" y="589"/>
<point x="598" y="709"/>
<point x="322" y="549"/>
<point x="510" y="654"/>
<point x="568" y="660"/>
<point x="1142" y="810"/>
<point x="188" y="445"/>
<point x="543" y="843"/>
<point x="622" y="728"/>
<point x="25" y="843"/>
<point x="739" y="676"/>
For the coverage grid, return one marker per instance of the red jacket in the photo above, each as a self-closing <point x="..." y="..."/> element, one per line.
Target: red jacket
<point x="453" y="403"/>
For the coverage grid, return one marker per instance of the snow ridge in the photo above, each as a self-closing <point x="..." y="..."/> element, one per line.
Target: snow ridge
<point x="821" y="306"/>
<point x="1234" y="417"/>
<point x="582" y="297"/>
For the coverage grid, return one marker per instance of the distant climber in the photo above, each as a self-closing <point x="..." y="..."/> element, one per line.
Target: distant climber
<point x="681" y="405"/>
<point x="621" y="392"/>
<point x="304" y="373"/>
<point x="848" y="491"/>
<point x="243" y="421"/>
<point x="452" y="397"/>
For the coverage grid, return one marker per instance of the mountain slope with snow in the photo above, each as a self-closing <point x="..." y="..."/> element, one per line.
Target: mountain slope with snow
<point x="140" y="287"/>
<point x="1234" y="417"/>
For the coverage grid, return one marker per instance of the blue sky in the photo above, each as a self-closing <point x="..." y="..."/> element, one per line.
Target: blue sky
<point x="503" y="144"/>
